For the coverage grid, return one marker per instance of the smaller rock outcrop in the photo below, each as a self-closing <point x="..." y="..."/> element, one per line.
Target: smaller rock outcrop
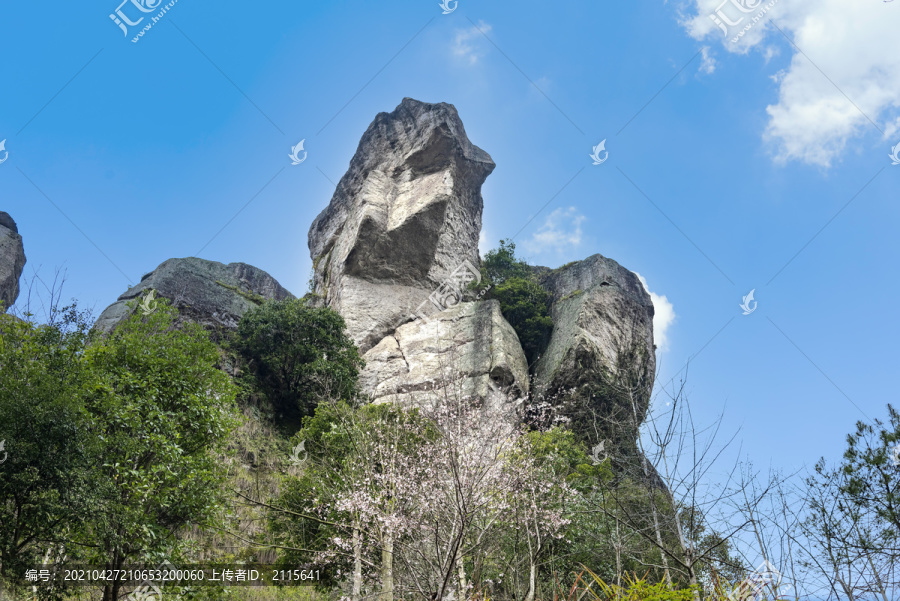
<point x="469" y="348"/>
<point x="212" y="294"/>
<point x="12" y="261"/>
<point x="601" y="355"/>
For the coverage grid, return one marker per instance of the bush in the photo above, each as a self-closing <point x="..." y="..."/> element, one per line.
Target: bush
<point x="298" y="354"/>
<point x="524" y="303"/>
<point x="44" y="469"/>
<point x="635" y="589"/>
<point x="160" y="412"/>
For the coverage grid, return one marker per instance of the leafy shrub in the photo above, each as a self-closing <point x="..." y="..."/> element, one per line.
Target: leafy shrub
<point x="298" y="354"/>
<point x="635" y="589"/>
<point x="524" y="303"/>
<point x="44" y="470"/>
<point x="160" y="412"/>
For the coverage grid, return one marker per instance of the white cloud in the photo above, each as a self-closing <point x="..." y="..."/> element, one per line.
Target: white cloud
<point x="484" y="244"/>
<point x="663" y="316"/>
<point x="469" y="44"/>
<point x="851" y="42"/>
<point x="561" y="231"/>
<point x="708" y="62"/>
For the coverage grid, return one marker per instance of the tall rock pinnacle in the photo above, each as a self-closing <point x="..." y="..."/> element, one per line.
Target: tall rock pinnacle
<point x="405" y="215"/>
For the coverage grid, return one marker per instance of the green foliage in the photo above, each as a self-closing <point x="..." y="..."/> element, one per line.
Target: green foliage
<point x="872" y="476"/>
<point x="501" y="263"/>
<point x="524" y="303"/>
<point x="634" y="589"/>
<point x="854" y="507"/>
<point x="298" y="354"/>
<point x="110" y="441"/>
<point x="344" y="447"/>
<point x="569" y="458"/>
<point x="159" y="411"/>
<point x="44" y="465"/>
<point x="526" y="306"/>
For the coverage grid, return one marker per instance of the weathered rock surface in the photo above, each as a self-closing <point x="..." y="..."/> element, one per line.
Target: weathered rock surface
<point x="470" y="345"/>
<point x="12" y="261"/>
<point x="212" y="294"/>
<point x="601" y="353"/>
<point x="405" y="215"/>
<point x="404" y="218"/>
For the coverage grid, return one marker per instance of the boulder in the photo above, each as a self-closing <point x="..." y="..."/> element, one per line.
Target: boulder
<point x="210" y="293"/>
<point x="12" y="261"/>
<point x="403" y="220"/>
<point x="601" y="354"/>
<point x="467" y="350"/>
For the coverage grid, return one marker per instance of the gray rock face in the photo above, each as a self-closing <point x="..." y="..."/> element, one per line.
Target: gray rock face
<point x="470" y="345"/>
<point x="402" y="222"/>
<point x="212" y="294"/>
<point x="12" y="261"/>
<point x="405" y="215"/>
<point x="601" y="346"/>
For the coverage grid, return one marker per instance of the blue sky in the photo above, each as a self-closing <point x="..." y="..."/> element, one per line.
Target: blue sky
<point x="732" y="166"/>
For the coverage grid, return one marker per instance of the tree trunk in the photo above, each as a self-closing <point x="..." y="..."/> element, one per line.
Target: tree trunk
<point x="693" y="580"/>
<point x="532" y="580"/>
<point x="463" y="585"/>
<point x="387" y="569"/>
<point x="645" y="467"/>
<point x="618" y="547"/>
<point x="357" y="566"/>
<point x="659" y="540"/>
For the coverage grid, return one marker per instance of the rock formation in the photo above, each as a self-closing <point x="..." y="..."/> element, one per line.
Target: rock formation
<point x="212" y="294"/>
<point x="395" y="253"/>
<point x="402" y="230"/>
<point x="404" y="217"/>
<point x="398" y="241"/>
<point x="12" y="261"/>
<point x="601" y="355"/>
<point x="469" y="347"/>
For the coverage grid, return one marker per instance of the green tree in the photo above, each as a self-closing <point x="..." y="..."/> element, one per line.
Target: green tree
<point x="501" y="264"/>
<point x="350" y="504"/>
<point x="44" y="463"/>
<point x="872" y="470"/>
<point x="524" y="303"/>
<point x="161" y="410"/>
<point x="526" y="306"/>
<point x="299" y="354"/>
<point x="854" y="518"/>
